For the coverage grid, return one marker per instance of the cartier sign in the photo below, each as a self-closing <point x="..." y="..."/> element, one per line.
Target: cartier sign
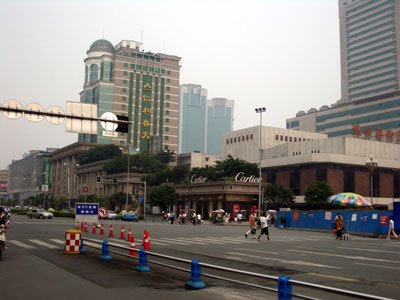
<point x="251" y="179"/>
<point x="199" y="179"/>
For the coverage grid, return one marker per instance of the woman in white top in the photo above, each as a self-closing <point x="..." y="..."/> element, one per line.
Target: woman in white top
<point x="264" y="219"/>
<point x="391" y="229"/>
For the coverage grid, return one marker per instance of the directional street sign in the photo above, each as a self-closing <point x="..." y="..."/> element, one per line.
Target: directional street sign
<point x="140" y="199"/>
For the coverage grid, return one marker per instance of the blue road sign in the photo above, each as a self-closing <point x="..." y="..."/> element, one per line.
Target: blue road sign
<point x="140" y="199"/>
<point x="87" y="209"/>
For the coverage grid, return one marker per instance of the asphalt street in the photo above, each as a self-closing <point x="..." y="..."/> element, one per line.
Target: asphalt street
<point x="37" y="266"/>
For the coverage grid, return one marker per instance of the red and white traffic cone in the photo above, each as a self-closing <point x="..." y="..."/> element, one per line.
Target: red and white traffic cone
<point x="82" y="226"/>
<point x="146" y="240"/>
<point x="102" y="229"/>
<point x="111" y="231"/>
<point x="94" y="228"/>
<point x="122" y="235"/>
<point x="132" y="252"/>
<point x="129" y="238"/>
<point x="85" y="228"/>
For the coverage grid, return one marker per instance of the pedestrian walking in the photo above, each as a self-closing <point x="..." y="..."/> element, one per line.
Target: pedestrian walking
<point x="252" y="225"/>
<point x="339" y="226"/>
<point x="391" y="229"/>
<point x="265" y="220"/>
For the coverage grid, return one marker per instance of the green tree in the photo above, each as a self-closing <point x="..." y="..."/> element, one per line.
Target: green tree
<point x="317" y="193"/>
<point x="164" y="196"/>
<point x="98" y="153"/>
<point x="278" y="196"/>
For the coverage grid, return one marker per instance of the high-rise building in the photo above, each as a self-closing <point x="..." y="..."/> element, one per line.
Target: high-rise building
<point x="192" y="118"/>
<point x="203" y="123"/>
<point x="370" y="75"/>
<point x="142" y="86"/>
<point x="219" y="123"/>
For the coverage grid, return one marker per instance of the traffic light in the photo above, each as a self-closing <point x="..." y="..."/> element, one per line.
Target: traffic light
<point x="115" y="180"/>
<point x="122" y="127"/>
<point x="98" y="179"/>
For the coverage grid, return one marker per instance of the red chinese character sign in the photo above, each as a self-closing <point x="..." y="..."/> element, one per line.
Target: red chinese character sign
<point x="356" y="130"/>
<point x="389" y="135"/>
<point x="378" y="134"/>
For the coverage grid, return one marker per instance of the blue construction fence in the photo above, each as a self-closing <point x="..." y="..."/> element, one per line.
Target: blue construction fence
<point x="369" y="222"/>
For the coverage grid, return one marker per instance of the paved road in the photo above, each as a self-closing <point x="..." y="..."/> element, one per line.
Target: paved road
<point x="362" y="264"/>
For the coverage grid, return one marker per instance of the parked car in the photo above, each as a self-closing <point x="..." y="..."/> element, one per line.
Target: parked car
<point x="39" y="213"/>
<point x="131" y="217"/>
<point x="111" y="215"/>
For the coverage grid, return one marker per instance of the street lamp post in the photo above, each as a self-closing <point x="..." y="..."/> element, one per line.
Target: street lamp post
<point x="260" y="110"/>
<point x="127" y="171"/>
<point x="68" y="166"/>
<point x="371" y="164"/>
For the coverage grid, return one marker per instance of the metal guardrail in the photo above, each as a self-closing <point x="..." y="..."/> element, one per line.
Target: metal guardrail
<point x="285" y="280"/>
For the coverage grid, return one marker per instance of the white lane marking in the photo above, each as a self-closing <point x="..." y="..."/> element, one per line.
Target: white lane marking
<point x="378" y="266"/>
<point x="172" y="241"/>
<point x="190" y="240"/>
<point x="293" y="262"/>
<point x="209" y="241"/>
<point x="61" y="242"/>
<point x="222" y="240"/>
<point x="370" y="250"/>
<point x="257" y="251"/>
<point x="20" y="244"/>
<point x="345" y="256"/>
<point x="44" y="244"/>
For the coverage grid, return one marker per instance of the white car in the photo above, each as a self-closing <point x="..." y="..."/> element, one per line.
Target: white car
<point x="39" y="213"/>
<point x="111" y="215"/>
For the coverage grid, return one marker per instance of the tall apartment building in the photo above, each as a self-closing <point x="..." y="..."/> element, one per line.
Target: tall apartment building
<point x="203" y="123"/>
<point x="142" y="86"/>
<point x="370" y="75"/>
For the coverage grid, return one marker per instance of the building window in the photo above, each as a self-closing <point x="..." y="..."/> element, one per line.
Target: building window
<point x="168" y="88"/>
<point x="124" y="90"/>
<point x="166" y="138"/>
<point x="295" y="181"/>
<point x="168" y="80"/>
<point x="251" y="136"/>
<point x="231" y="141"/>
<point x="124" y="81"/>
<point x="396" y="185"/>
<point x="125" y="73"/>
<point x="348" y="181"/>
<point x="239" y="139"/>
<point x="125" y="65"/>
<point x="123" y="98"/>
<point x="167" y="112"/>
<point x="281" y="137"/>
<point x="234" y="140"/>
<point x="286" y="138"/>
<point x="295" y="139"/>
<point x="227" y="141"/>
<point x="168" y="96"/>
<point x="290" y="139"/>
<point x="132" y="66"/>
<point x="276" y="137"/>
<point x="321" y="175"/>
<point x="168" y="72"/>
<point x="166" y="120"/>
<point x="166" y="129"/>
<point x="94" y="73"/>
<point x="247" y="137"/>
<point x="167" y="104"/>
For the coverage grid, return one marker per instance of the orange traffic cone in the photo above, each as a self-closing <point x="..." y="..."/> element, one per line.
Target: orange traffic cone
<point x="129" y="237"/>
<point x="111" y="231"/>
<point x="146" y="240"/>
<point x="102" y="229"/>
<point x="94" y="228"/>
<point x="132" y="252"/>
<point x="122" y="235"/>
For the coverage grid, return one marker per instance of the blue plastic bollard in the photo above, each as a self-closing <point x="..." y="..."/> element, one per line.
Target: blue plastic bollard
<point x="105" y="254"/>
<point x="142" y="266"/>
<point x="194" y="282"/>
<point x="284" y="288"/>
<point x="82" y="247"/>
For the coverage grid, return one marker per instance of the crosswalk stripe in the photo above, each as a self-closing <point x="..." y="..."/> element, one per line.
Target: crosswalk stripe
<point x="44" y="244"/>
<point x="209" y="241"/>
<point x="173" y="241"/>
<point x="20" y="244"/>
<point x="189" y="240"/>
<point x="61" y="242"/>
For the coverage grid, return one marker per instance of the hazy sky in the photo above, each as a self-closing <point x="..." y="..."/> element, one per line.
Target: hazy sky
<point x="283" y="55"/>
